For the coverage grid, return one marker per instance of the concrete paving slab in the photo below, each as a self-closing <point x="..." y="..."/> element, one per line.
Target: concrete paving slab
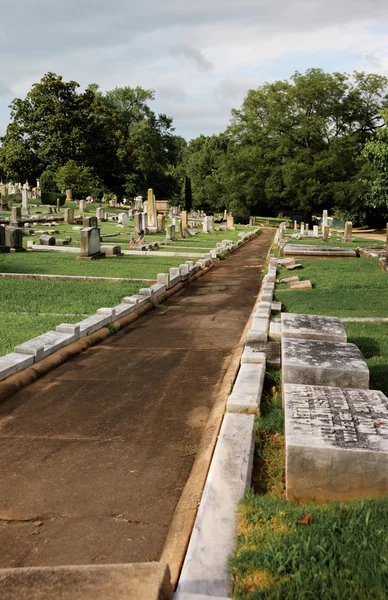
<point x="142" y="581"/>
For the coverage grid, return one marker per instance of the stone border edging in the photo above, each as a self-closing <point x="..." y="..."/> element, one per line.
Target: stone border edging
<point x="45" y="277"/>
<point x="205" y="568"/>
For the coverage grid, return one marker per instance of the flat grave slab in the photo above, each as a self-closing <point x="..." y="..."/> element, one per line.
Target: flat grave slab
<point x="312" y="327"/>
<point x="336" y="443"/>
<point x="316" y="362"/>
<point x="325" y="251"/>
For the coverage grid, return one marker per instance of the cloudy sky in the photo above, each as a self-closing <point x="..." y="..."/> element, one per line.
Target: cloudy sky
<point x="200" y="56"/>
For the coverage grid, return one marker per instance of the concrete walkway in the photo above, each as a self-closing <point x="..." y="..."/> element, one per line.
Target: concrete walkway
<point x="94" y="456"/>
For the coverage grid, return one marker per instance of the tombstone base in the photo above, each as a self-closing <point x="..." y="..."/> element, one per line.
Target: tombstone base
<point x="93" y="257"/>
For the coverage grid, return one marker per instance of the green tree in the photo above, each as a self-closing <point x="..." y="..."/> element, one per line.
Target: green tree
<point x="376" y="152"/>
<point x="82" y="180"/>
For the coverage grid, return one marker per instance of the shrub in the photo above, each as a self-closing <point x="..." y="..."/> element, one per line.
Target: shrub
<point x="52" y="197"/>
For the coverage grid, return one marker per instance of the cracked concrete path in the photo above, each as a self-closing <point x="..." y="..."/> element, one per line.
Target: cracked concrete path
<point x="94" y="456"/>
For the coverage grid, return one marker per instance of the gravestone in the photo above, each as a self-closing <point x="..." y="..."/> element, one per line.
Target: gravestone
<point x="161" y="223"/>
<point x="145" y="221"/>
<point x="90" y="243"/>
<point x="230" y="223"/>
<point x="123" y="219"/>
<point x="348" y="231"/>
<point x="306" y="227"/>
<point x="90" y="222"/>
<point x="69" y="195"/>
<point x="312" y="327"/>
<point x="69" y="216"/>
<point x="152" y="212"/>
<point x="295" y="226"/>
<point x="302" y="229"/>
<point x="206" y="225"/>
<point x="138" y="223"/>
<point x="3" y="247"/>
<point x="184" y="219"/>
<point x="324" y="218"/>
<point x="329" y="251"/>
<point x="316" y="362"/>
<point x="14" y="239"/>
<point x="25" y="210"/>
<point x="315" y="231"/>
<point x="336" y="443"/>
<point x="83" y="206"/>
<point x="325" y="233"/>
<point x="47" y="240"/>
<point x="16" y="215"/>
<point x="170" y="232"/>
<point x="100" y="213"/>
<point x="58" y="205"/>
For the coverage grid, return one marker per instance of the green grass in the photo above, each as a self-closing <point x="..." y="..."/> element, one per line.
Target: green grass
<point x="136" y="267"/>
<point x="341" y="553"/>
<point x="342" y="288"/>
<point x="51" y="297"/>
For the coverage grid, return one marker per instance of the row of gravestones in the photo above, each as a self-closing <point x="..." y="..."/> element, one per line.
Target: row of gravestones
<point x="336" y="427"/>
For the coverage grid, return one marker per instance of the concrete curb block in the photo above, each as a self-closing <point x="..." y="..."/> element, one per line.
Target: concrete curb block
<point x="205" y="569"/>
<point x="247" y="390"/>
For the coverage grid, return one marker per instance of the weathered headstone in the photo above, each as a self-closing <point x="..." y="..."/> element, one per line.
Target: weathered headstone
<point x="324" y="218"/>
<point x="3" y="247"/>
<point x="315" y="231"/>
<point x="90" y="243"/>
<point x="14" y="239"/>
<point x="138" y="221"/>
<point x="152" y="213"/>
<point x="336" y="443"/>
<point x="184" y="219"/>
<point x="325" y="233"/>
<point x="69" y="195"/>
<point x="83" y="206"/>
<point x="295" y="226"/>
<point x="90" y="222"/>
<point x="161" y="223"/>
<point x="348" y="231"/>
<point x="16" y="215"/>
<point x="306" y="227"/>
<point x="100" y="213"/>
<point x="25" y="210"/>
<point x="123" y="219"/>
<point x="170" y="232"/>
<point x="69" y="216"/>
<point x="302" y="229"/>
<point x="206" y="225"/>
<point x="47" y="240"/>
<point x="230" y="223"/>
<point x="145" y="222"/>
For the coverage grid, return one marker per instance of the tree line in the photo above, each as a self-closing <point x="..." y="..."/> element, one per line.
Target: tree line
<point x="316" y="141"/>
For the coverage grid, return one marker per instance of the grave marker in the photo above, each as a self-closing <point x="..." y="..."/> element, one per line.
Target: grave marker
<point x="69" y="216"/>
<point x="336" y="443"/>
<point x="90" y="243"/>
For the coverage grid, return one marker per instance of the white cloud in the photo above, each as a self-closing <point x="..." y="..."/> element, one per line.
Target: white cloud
<point x="201" y="57"/>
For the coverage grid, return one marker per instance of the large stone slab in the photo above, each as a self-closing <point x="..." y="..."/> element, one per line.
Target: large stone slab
<point x="205" y="569"/>
<point x="312" y="327"/>
<point x="316" y="362"/>
<point x="13" y="363"/>
<point x="336" y="443"/>
<point x="247" y="390"/>
<point x="326" y="251"/>
<point x="142" y="581"/>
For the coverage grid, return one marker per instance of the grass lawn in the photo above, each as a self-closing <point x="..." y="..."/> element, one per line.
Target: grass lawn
<point x="23" y="302"/>
<point x="287" y="551"/>
<point x="351" y="287"/>
<point x="136" y="267"/>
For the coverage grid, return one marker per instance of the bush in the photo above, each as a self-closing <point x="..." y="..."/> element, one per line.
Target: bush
<point x="52" y="197"/>
<point x="47" y="181"/>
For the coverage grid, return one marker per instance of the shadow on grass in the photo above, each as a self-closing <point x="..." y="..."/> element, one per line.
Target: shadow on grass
<point x="379" y="378"/>
<point x="368" y="346"/>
